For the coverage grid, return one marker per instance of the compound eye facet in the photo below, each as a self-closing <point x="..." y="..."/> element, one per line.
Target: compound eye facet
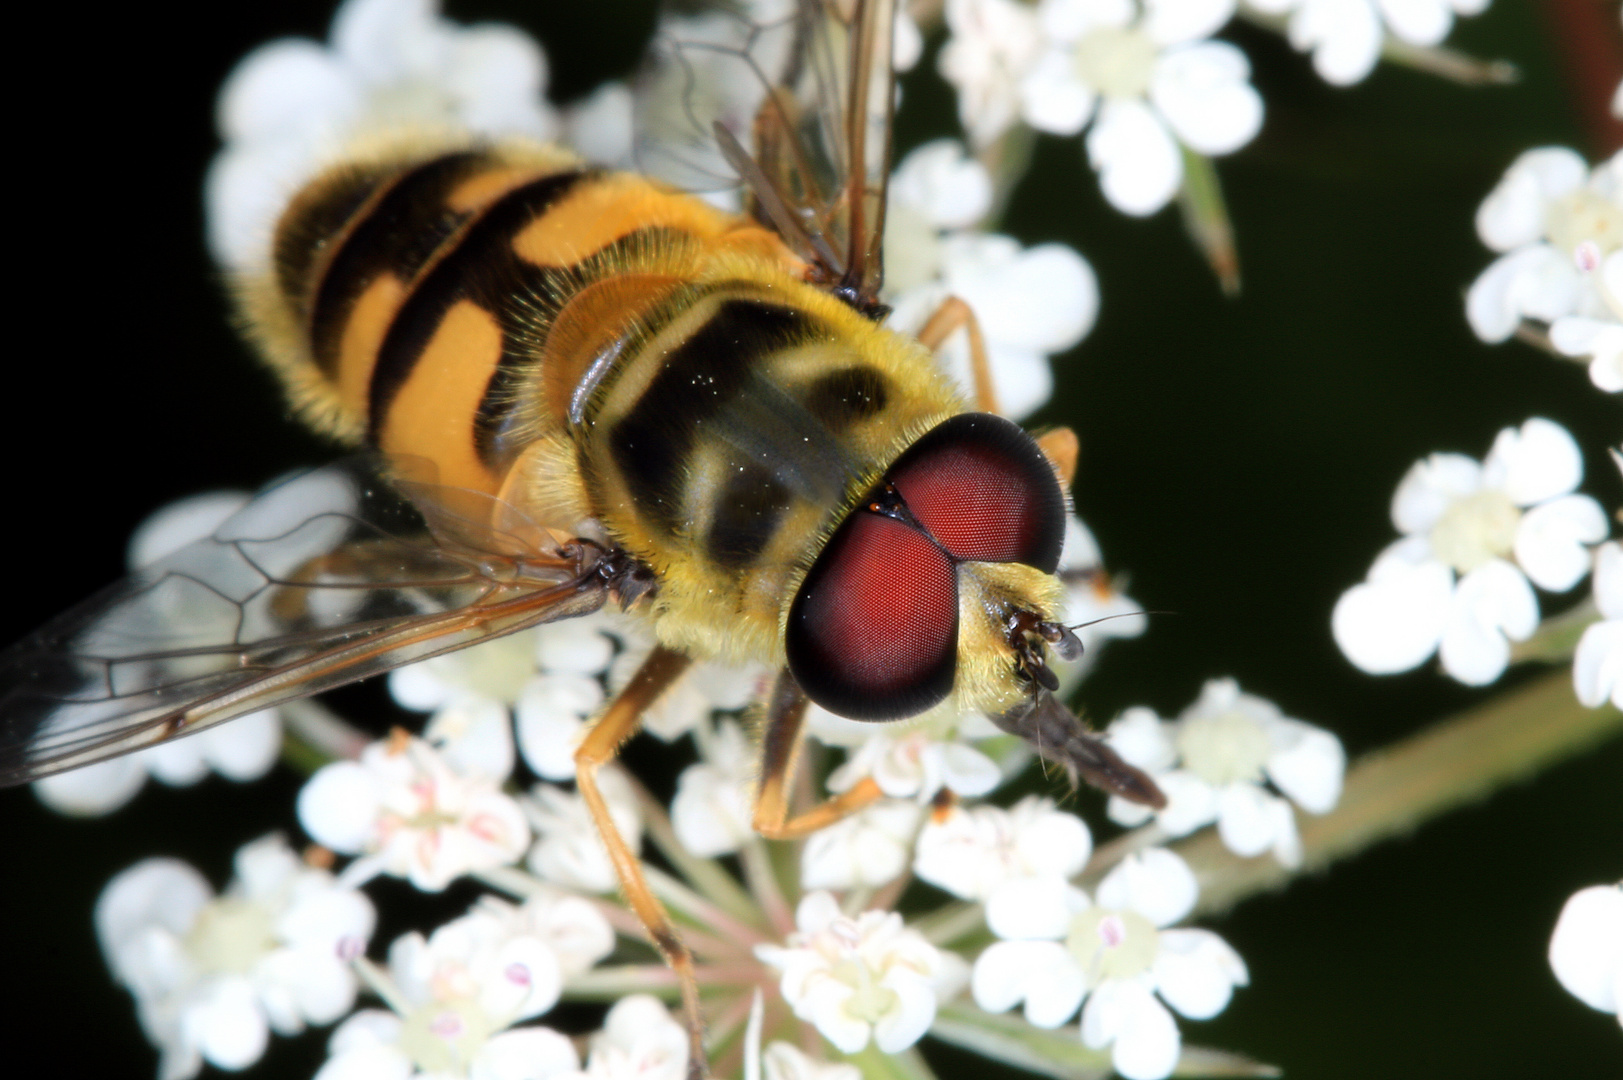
<point x="983" y="488"/>
<point x="873" y="633"/>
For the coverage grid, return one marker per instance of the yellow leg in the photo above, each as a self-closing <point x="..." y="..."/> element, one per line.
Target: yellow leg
<point x="780" y="756"/>
<point x="954" y="315"/>
<point x="600" y="746"/>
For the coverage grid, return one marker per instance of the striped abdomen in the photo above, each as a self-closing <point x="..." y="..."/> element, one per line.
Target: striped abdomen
<point x="587" y="344"/>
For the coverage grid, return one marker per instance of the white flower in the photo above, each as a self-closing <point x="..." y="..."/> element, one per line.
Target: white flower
<point x="1148" y="81"/>
<point x="703" y="689"/>
<point x="639" y="1041"/>
<point x="1213" y="764"/>
<point x="911" y="759"/>
<point x="857" y="979"/>
<point x="409" y="814"/>
<point x="1345" y="36"/>
<point x="242" y="750"/>
<point x="868" y="848"/>
<point x="212" y="976"/>
<point x="391" y="67"/>
<point x="1586" y="949"/>
<point x="1600" y="339"/>
<point x="1059" y="950"/>
<point x="1556" y="222"/>
<point x="568" y="849"/>
<point x="457" y="994"/>
<point x="992" y="46"/>
<point x="973" y="851"/>
<point x="713" y="810"/>
<point x="1474" y="536"/>
<point x="1597" y="666"/>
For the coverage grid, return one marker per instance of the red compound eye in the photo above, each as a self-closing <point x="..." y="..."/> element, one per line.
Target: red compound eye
<point x="982" y="487"/>
<point x="873" y="634"/>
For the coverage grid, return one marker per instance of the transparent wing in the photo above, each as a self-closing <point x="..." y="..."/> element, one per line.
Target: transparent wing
<point x="795" y="101"/>
<point x="318" y="581"/>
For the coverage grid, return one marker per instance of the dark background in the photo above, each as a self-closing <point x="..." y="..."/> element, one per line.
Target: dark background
<point x="1238" y="458"/>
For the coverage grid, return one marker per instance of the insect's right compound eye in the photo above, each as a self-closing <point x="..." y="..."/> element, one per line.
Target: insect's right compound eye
<point x="873" y="634"/>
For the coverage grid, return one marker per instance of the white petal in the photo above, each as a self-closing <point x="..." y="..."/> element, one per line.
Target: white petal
<point x="1597" y="666"/>
<point x="164" y="893"/>
<point x="1419" y="22"/>
<point x="226" y="1025"/>
<point x="1550" y="541"/>
<point x="1537" y="462"/>
<point x="246" y="748"/>
<point x="1191" y="803"/>
<point x="1033" y="907"/>
<point x="338" y="806"/>
<point x="1052" y="98"/>
<point x="1156" y="883"/>
<point x="1172" y="21"/>
<point x="1204" y="93"/>
<point x="388" y="40"/>
<point x="1586" y="949"/>
<point x="1344" y="35"/>
<point x="1139" y="165"/>
<point x="1140" y="737"/>
<point x="906" y="1021"/>
<point x="1009" y="972"/>
<point x="1249" y="819"/>
<point x="551" y="718"/>
<point x="1395" y="620"/>
<point x="178" y="524"/>
<point x="941" y="181"/>
<point x="1513" y="214"/>
<point x="1196" y="972"/>
<point x="1493" y="602"/>
<point x="1143" y="1034"/>
<point x="93" y="790"/>
<point x="1609" y="579"/>
<point x="1431" y="485"/>
<point x="1307" y="764"/>
<point x="497" y="75"/>
<point x="528" y="1053"/>
<point x="1535" y="282"/>
<point x="600" y="128"/>
<point x="475" y="735"/>
<point x="1043" y="299"/>
<point x="286" y="88"/>
<point x="1068" y="20"/>
<point x="968" y="772"/>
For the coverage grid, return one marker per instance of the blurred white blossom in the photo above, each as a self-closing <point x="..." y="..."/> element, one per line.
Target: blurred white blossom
<point x="639" y="1041"/>
<point x="1214" y="764"/>
<point x="856" y="979"/>
<point x="1597" y="666"/>
<point x="973" y="851"/>
<point x="1144" y="76"/>
<point x="212" y="976"/>
<point x="1346" y="36"/>
<point x="457" y="993"/>
<point x="243" y="750"/>
<point x="869" y="848"/>
<point x="1474" y="535"/>
<point x="713" y="809"/>
<point x="568" y="849"/>
<point x="1559" y="226"/>
<point x="1031" y="303"/>
<point x="1586" y="949"/>
<point x="407" y="812"/>
<point x="1059" y="950"/>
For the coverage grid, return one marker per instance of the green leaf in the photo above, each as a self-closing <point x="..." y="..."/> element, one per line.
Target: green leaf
<point x="1060" y="1053"/>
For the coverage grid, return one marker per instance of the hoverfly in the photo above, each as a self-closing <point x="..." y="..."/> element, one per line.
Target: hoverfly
<point x="579" y="387"/>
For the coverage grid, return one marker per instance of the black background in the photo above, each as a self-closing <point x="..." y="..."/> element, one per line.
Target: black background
<point x="1237" y="461"/>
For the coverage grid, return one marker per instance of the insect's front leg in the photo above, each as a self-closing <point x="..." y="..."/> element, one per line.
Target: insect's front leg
<point x="780" y="756"/>
<point x="601" y="745"/>
<point x="952" y="316"/>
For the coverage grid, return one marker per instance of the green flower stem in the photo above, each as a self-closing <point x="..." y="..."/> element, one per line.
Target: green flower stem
<point x="1391" y="791"/>
<point x="1206" y="219"/>
<point x="1450" y="64"/>
<point x="709" y="877"/>
<point x="1556" y="639"/>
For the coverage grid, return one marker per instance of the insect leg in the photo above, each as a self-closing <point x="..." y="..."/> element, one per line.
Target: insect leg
<point x="780" y="755"/>
<point x="954" y="315"/>
<point x="601" y="745"/>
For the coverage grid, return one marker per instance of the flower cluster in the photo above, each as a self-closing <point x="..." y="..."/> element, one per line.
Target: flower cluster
<point x="1142" y="79"/>
<point x="1346" y="37"/>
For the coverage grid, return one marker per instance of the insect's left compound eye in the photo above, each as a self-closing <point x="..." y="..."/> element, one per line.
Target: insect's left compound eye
<point x="983" y="488"/>
<point x="873" y="633"/>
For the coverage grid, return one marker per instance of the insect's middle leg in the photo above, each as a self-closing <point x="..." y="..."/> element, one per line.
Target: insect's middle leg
<point x="780" y="755"/>
<point x="954" y="315"/>
<point x="662" y="668"/>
